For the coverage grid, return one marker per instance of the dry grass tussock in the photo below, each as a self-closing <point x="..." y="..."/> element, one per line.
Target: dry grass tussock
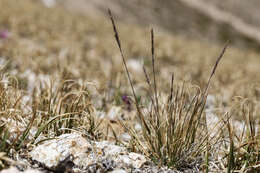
<point x="59" y="71"/>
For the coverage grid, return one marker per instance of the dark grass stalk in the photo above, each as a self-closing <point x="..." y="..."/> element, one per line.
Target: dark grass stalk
<point x="153" y="66"/>
<point x="171" y="117"/>
<point x="207" y="147"/>
<point x="215" y="67"/>
<point x="121" y="52"/>
<point x="127" y="72"/>
<point x="231" y="158"/>
<point x="150" y="86"/>
<point x="198" y="120"/>
<point x="49" y="122"/>
<point x="251" y="123"/>
<point x="27" y="130"/>
<point x="171" y="91"/>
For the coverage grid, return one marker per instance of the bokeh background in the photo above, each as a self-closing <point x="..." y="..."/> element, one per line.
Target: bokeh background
<point x="214" y="21"/>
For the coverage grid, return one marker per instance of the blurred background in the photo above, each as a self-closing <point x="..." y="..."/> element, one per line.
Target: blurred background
<point x="215" y="21"/>
<point x="73" y="39"/>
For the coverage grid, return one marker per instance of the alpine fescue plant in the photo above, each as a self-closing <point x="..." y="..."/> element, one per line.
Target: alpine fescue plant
<point x="173" y="132"/>
<point x="55" y="110"/>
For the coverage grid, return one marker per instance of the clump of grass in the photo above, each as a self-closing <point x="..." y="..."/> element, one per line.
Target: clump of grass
<point x="243" y="152"/>
<point x="55" y="109"/>
<point x="10" y="99"/>
<point x="64" y="107"/>
<point x="172" y="127"/>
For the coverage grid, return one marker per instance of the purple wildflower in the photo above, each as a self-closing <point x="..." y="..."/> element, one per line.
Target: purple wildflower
<point x="126" y="100"/>
<point x="4" y="34"/>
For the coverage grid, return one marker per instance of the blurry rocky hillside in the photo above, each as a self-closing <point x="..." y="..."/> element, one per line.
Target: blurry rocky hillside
<point x="215" y="20"/>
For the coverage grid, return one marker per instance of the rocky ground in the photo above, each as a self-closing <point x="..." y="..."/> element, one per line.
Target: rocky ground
<point x="66" y="104"/>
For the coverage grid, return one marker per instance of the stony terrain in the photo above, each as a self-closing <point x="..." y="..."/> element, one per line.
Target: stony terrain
<point x="66" y="104"/>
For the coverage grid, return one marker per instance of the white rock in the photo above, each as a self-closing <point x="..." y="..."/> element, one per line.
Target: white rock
<point x="15" y="170"/>
<point x="137" y="159"/>
<point x="53" y="151"/>
<point x="10" y="170"/>
<point x="118" y="171"/>
<point x="84" y="152"/>
<point x="109" y="148"/>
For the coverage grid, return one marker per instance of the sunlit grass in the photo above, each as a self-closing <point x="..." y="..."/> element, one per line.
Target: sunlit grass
<point x="60" y="70"/>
